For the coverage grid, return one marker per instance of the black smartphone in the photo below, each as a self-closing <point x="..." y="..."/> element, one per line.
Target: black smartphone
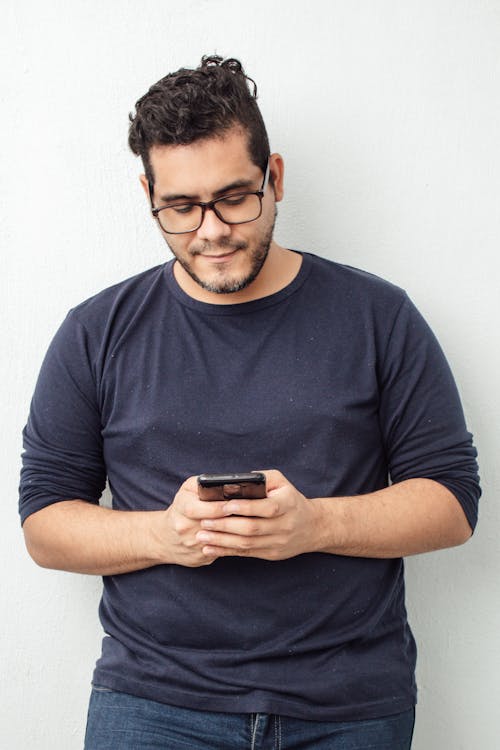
<point x="230" y="486"/>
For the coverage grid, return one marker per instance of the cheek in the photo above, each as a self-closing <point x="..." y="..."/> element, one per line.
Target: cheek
<point x="268" y="219"/>
<point x="269" y="211"/>
<point x="176" y="245"/>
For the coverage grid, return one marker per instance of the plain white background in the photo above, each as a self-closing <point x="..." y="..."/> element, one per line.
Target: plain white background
<point x="388" y="116"/>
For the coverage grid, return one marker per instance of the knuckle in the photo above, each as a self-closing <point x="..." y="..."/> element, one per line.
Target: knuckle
<point x="274" y="554"/>
<point x="178" y="524"/>
<point x="211" y="509"/>
<point x="188" y="508"/>
<point x="277" y="475"/>
<point x="283" y="541"/>
<point x="190" y="484"/>
<point x="181" y="524"/>
<point x="274" y="508"/>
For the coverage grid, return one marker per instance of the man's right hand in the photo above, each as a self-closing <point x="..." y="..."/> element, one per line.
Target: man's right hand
<point x="177" y="531"/>
<point x="81" y="537"/>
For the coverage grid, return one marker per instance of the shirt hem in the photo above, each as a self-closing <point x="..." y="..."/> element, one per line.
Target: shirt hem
<point x="254" y="702"/>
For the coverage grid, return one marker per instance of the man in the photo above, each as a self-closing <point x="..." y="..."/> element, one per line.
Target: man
<point x="244" y="623"/>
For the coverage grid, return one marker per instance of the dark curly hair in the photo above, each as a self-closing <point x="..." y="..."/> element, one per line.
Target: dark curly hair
<point x="190" y="105"/>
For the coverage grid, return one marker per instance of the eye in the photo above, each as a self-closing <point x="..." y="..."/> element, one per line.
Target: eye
<point x="186" y="208"/>
<point x="233" y="200"/>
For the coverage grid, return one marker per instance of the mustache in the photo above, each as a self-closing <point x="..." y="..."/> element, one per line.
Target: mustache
<point x="207" y="248"/>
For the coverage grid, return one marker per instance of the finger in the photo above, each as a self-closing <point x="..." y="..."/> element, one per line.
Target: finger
<point x="197" y="509"/>
<point x="210" y="554"/>
<point x="264" y="554"/>
<point x="225" y="552"/>
<point x="215" y="541"/>
<point x="274" y="479"/>
<point x="239" y="525"/>
<point x="191" y="484"/>
<point x="265" y="508"/>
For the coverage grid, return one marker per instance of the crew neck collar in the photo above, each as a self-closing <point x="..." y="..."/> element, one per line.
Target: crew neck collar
<point x="240" y="307"/>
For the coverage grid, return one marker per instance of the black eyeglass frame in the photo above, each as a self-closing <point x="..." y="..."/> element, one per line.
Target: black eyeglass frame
<point x="211" y="205"/>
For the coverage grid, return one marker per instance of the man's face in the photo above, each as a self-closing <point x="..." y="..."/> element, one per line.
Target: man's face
<point x="219" y="257"/>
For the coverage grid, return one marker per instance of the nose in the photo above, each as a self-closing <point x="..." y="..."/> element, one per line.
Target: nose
<point x="212" y="227"/>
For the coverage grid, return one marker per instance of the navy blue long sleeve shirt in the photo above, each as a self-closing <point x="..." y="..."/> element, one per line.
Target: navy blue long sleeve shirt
<point x="336" y="381"/>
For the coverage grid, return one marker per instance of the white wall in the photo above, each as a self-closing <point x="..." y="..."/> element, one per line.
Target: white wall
<point x="388" y="115"/>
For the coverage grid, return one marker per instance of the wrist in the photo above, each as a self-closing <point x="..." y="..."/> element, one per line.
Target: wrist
<point x="156" y="543"/>
<point x="329" y="524"/>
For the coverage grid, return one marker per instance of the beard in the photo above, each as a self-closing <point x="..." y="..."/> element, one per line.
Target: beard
<point x="222" y="283"/>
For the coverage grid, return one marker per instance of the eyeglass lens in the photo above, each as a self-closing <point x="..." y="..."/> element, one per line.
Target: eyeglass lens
<point x="233" y="209"/>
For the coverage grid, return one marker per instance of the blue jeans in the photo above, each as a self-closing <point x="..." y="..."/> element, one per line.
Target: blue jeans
<point x="118" y="721"/>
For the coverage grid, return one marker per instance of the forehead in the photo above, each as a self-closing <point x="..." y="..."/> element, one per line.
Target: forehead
<point x="203" y="166"/>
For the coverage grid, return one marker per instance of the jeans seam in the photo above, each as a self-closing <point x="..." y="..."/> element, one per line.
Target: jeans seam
<point x="255" y="717"/>
<point x="277" y="732"/>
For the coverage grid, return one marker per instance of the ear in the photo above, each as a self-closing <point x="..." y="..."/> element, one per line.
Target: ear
<point x="144" y="182"/>
<point x="277" y="169"/>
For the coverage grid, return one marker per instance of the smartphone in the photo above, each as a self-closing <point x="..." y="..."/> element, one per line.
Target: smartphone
<point x="230" y="486"/>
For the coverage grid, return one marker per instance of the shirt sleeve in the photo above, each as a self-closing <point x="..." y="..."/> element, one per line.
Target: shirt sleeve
<point x="63" y="456"/>
<point x="421" y="415"/>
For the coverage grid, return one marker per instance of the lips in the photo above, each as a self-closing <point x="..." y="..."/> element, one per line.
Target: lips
<point x="221" y="255"/>
<point x="227" y="252"/>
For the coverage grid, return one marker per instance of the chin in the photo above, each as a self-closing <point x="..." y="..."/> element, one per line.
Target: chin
<point x="227" y="286"/>
<point x="225" y="282"/>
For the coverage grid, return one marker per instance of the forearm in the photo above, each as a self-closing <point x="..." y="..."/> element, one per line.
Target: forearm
<point x="417" y="515"/>
<point x="80" y="537"/>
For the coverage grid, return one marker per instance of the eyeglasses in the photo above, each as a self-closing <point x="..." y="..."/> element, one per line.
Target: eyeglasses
<point x="236" y="208"/>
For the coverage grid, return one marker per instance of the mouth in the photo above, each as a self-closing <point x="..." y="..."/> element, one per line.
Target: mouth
<point x="219" y="257"/>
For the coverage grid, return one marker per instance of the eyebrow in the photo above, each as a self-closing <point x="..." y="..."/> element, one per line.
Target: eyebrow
<point x="236" y="185"/>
